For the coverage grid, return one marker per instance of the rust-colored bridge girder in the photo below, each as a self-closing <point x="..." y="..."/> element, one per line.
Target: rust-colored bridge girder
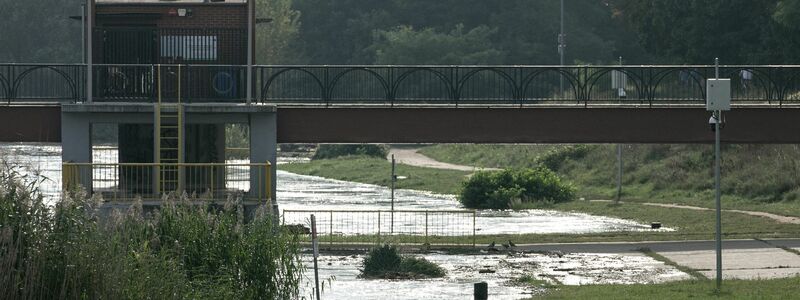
<point x="746" y="125"/>
<point x="30" y="123"/>
<point x="534" y="125"/>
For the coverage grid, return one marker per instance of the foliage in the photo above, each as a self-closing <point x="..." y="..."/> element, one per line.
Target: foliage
<point x="404" y="45"/>
<point x="554" y="158"/>
<point x="697" y="31"/>
<point x="274" y="39"/>
<point x="499" y="190"/>
<point x="511" y="32"/>
<point x="328" y="151"/>
<point x="40" y="31"/>
<point x="755" y="177"/>
<point x="788" y="14"/>
<point x="181" y="251"/>
<point x="386" y="262"/>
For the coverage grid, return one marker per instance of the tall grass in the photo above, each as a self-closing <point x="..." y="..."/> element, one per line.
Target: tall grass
<point x="182" y="251"/>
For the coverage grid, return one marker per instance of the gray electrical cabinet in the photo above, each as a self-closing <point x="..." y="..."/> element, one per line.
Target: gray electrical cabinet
<point x="718" y="94"/>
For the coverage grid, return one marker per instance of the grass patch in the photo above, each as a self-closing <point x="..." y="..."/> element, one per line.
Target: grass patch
<point x="378" y="171"/>
<point x="530" y="281"/>
<point x="784" y="288"/>
<point x="385" y="262"/>
<point x="755" y="177"/>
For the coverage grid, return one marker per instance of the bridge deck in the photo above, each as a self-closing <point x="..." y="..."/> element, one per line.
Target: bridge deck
<point x="481" y="124"/>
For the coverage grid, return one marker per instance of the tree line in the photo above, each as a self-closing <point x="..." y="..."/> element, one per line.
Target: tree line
<point x="466" y="31"/>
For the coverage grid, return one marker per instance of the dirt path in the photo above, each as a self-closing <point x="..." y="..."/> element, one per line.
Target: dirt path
<point x="410" y="156"/>
<point x="777" y="218"/>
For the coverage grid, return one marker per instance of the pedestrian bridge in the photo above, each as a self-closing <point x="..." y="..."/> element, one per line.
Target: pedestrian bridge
<point x="450" y="86"/>
<point x="429" y="104"/>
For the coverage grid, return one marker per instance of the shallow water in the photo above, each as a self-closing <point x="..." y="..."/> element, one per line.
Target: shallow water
<point x="463" y="272"/>
<point x="299" y="192"/>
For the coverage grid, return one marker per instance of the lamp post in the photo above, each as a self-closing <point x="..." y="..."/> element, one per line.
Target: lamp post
<point x="562" y="47"/>
<point x="718" y="91"/>
<point x="717" y="193"/>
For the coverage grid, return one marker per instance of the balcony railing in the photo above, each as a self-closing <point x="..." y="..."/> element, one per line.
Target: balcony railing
<point x="399" y="85"/>
<point x="150" y="181"/>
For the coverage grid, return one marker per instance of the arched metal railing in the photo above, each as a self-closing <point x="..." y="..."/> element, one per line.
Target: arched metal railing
<point x="425" y="85"/>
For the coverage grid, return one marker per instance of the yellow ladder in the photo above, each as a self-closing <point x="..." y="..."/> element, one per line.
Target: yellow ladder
<point x="169" y="126"/>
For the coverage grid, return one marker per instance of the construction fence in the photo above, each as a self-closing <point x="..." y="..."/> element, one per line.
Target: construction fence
<point x="401" y="227"/>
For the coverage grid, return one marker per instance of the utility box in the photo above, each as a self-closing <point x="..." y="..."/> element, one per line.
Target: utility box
<point x="718" y="94"/>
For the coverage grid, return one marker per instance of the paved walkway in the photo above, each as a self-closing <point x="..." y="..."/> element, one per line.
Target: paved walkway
<point x="411" y="157"/>
<point x="741" y="259"/>
<point x="774" y="217"/>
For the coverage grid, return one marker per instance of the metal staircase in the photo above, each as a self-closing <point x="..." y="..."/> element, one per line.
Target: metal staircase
<point x="169" y="127"/>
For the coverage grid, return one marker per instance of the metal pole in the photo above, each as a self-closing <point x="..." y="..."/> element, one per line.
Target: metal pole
<point x="83" y="33"/>
<point x="562" y="45"/>
<point x="89" y="58"/>
<point x="315" y="246"/>
<point x="619" y="172"/>
<point x="250" y="43"/>
<point x="394" y="179"/>
<point x="717" y="162"/>
<point x="619" y="163"/>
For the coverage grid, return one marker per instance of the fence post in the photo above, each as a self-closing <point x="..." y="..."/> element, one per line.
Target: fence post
<point x="330" y="228"/>
<point x="212" y="181"/>
<point x="314" y="245"/>
<point x="474" y="216"/>
<point x="379" y="227"/>
<point x="481" y="291"/>
<point x="426" y="226"/>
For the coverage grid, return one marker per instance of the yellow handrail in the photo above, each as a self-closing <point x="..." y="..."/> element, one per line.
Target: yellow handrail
<point x="127" y="180"/>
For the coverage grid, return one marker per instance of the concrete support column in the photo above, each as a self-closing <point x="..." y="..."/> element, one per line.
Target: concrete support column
<point x="263" y="148"/>
<point x="76" y="144"/>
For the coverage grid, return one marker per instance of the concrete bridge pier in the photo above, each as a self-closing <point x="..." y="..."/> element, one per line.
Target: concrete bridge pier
<point x="203" y="142"/>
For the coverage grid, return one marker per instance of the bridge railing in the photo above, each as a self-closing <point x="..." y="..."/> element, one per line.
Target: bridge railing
<point x="521" y="85"/>
<point x="451" y="86"/>
<point x="26" y="83"/>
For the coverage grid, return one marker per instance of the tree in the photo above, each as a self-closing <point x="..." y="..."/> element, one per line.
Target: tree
<point x="274" y="39"/>
<point x="787" y="13"/>
<point x="404" y="45"/>
<point x="697" y="31"/>
<point x="40" y="31"/>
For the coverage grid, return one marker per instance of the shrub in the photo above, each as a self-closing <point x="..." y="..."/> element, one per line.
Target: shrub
<point x="387" y="263"/>
<point x="328" y="151"/>
<point x="498" y="190"/>
<point x="183" y="251"/>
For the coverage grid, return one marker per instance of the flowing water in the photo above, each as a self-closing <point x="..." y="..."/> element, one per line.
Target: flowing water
<point x="465" y="270"/>
<point x="298" y="192"/>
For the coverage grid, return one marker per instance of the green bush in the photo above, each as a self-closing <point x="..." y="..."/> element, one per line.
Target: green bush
<point x="184" y="251"/>
<point x="328" y="151"/>
<point x="386" y="262"/>
<point x="498" y="190"/>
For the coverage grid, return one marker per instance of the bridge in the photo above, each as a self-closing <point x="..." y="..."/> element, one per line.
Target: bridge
<point x="430" y="104"/>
